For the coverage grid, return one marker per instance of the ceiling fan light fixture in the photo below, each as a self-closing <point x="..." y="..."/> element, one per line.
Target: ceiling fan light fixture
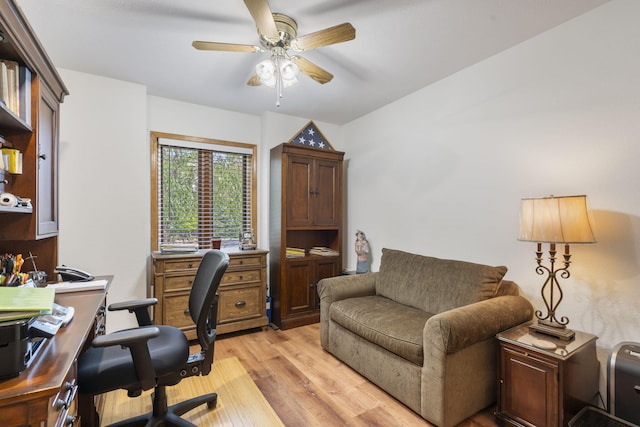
<point x="289" y="70"/>
<point x="266" y="70"/>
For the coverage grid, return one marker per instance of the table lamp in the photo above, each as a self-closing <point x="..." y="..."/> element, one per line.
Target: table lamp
<point x="553" y="220"/>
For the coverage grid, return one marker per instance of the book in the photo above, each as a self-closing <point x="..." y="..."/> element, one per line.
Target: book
<point x="23" y="299"/>
<point x="324" y="251"/>
<point x="294" y="252"/>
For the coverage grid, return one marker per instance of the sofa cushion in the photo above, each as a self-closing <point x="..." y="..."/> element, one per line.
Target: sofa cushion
<point x="393" y="326"/>
<point x="435" y="285"/>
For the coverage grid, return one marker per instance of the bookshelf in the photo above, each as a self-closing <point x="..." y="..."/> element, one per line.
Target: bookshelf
<point x="30" y="98"/>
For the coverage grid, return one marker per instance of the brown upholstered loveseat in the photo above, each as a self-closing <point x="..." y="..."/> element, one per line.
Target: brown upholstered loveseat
<point x="423" y="329"/>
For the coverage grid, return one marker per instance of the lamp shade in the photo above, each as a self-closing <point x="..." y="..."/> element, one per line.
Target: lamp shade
<point x="563" y="219"/>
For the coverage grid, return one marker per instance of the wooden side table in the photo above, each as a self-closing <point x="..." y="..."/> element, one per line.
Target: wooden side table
<point x="544" y="387"/>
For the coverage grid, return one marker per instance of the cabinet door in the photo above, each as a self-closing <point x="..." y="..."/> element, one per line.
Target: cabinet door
<point x="299" y="191"/>
<point x="324" y="268"/>
<point x="528" y="388"/>
<point x="298" y="283"/>
<point x="47" y="166"/>
<point x="327" y="201"/>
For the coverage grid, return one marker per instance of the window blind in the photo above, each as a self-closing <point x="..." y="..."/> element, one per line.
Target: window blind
<point x="204" y="192"/>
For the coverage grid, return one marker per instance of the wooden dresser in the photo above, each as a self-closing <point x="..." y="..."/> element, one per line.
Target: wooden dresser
<point x="243" y="290"/>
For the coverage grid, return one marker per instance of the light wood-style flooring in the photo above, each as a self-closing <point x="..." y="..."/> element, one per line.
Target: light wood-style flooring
<point x="307" y="386"/>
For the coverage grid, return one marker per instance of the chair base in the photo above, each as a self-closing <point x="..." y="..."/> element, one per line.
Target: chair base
<point x="164" y="415"/>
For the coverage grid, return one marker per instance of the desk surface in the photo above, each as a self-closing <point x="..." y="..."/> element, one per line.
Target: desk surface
<point x="47" y="372"/>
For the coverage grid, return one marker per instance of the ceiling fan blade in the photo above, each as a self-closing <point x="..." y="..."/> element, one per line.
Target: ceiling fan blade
<point x="312" y="70"/>
<point x="254" y="80"/>
<point x="337" y="34"/>
<point x="226" y="47"/>
<point x="261" y="13"/>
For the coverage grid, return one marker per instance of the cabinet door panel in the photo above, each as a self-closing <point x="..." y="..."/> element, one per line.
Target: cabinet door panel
<point x="529" y="388"/>
<point x="299" y="280"/>
<point x="327" y="194"/>
<point x="324" y="268"/>
<point x="299" y="191"/>
<point x="47" y="161"/>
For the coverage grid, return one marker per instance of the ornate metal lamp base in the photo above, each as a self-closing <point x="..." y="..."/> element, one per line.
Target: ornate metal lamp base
<point x="561" y="332"/>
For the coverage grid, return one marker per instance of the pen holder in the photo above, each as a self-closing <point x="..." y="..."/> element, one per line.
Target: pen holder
<point x="39" y="278"/>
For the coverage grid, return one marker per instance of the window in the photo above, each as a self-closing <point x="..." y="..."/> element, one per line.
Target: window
<point x="201" y="189"/>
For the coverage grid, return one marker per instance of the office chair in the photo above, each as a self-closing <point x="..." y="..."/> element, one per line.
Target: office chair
<point x="157" y="356"/>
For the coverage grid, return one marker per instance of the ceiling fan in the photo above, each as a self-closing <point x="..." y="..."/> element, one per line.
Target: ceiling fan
<point x="278" y="34"/>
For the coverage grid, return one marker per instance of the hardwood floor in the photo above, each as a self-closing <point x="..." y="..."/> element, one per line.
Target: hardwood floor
<point x="307" y="386"/>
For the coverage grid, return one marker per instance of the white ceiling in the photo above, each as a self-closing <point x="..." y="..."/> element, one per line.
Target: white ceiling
<point x="400" y="46"/>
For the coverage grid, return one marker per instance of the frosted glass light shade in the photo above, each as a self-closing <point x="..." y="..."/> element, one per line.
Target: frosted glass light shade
<point x="563" y="219"/>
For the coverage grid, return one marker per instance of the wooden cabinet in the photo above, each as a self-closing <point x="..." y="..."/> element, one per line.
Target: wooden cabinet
<point x="313" y="192"/>
<point x="545" y="387"/>
<point x="306" y="211"/>
<point x="33" y="131"/>
<point x="242" y="291"/>
<point x="301" y="300"/>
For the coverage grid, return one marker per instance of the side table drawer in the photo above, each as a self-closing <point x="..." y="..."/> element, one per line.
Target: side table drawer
<point x="239" y="303"/>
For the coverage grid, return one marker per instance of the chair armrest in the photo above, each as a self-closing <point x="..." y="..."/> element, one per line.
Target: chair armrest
<point x="338" y="288"/>
<point x="341" y="287"/>
<point x="139" y="306"/>
<point x="453" y="330"/>
<point x="136" y="341"/>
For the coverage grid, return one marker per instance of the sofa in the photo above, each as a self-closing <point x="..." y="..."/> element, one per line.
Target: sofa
<point x="423" y="329"/>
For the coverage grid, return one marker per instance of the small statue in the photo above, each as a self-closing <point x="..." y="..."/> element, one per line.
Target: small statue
<point x="362" y="250"/>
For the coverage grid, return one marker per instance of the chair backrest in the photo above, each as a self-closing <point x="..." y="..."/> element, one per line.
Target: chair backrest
<point x="203" y="301"/>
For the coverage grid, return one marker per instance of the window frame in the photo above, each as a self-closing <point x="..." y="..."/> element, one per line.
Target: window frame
<point x="155" y="144"/>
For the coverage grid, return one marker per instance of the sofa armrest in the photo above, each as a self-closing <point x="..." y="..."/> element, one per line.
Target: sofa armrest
<point x="338" y="288"/>
<point x="453" y="330"/>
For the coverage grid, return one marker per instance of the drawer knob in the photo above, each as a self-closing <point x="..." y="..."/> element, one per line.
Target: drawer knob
<point x="240" y="304"/>
<point x="187" y="312"/>
<point x="190" y="265"/>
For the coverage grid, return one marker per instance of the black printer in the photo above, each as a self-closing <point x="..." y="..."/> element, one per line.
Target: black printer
<point x="18" y="347"/>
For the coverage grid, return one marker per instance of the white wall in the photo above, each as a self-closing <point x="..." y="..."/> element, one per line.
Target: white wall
<point x="104" y="182"/>
<point x="442" y="171"/>
<point x="439" y="172"/>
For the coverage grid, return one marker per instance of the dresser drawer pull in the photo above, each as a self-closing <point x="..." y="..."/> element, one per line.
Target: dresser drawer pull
<point x="240" y="304"/>
<point x="187" y="312"/>
<point x="190" y="265"/>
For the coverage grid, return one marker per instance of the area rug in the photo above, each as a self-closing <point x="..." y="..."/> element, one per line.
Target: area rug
<point x="240" y="402"/>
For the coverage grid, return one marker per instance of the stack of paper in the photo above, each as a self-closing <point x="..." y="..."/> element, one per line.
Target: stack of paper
<point x="91" y="285"/>
<point x="179" y="247"/>
<point x="23" y="302"/>
<point x="324" y="251"/>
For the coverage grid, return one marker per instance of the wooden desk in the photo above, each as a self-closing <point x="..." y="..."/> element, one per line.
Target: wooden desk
<point x="45" y="393"/>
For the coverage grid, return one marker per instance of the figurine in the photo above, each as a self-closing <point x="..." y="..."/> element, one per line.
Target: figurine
<point x="362" y="250"/>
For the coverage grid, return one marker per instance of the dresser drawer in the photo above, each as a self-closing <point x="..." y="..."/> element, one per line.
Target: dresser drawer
<point x="182" y="282"/>
<point x="234" y="277"/>
<point x="64" y="407"/>
<point x="245" y="261"/>
<point x="240" y="303"/>
<point x="176" y="311"/>
<point x="181" y="264"/>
